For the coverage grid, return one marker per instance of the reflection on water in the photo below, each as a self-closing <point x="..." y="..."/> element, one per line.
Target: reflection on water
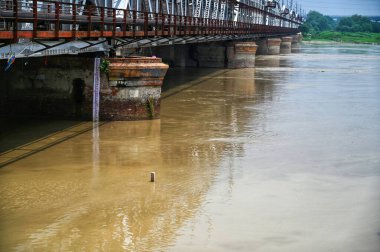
<point x="13" y="132"/>
<point x="73" y="202"/>
<point x="283" y="157"/>
<point x="268" y="61"/>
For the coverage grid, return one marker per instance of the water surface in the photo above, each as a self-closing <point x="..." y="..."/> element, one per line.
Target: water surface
<point x="284" y="157"/>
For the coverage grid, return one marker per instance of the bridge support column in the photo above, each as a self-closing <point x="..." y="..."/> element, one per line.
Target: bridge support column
<point x="286" y="45"/>
<point x="262" y="48"/>
<point x="273" y="46"/>
<point x="296" y="40"/>
<point x="54" y="87"/>
<point x="62" y="87"/>
<point x="211" y="55"/>
<point x="166" y="53"/>
<point x="133" y="89"/>
<point x="175" y="55"/>
<point x="241" y="54"/>
<point x="184" y="56"/>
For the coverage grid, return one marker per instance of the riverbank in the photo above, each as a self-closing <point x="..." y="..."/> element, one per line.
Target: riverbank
<point x="344" y="37"/>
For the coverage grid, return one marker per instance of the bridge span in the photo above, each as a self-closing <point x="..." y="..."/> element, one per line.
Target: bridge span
<point x="48" y="49"/>
<point x="75" y="26"/>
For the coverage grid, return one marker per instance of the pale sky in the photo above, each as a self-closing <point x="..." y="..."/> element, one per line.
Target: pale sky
<point x="340" y="7"/>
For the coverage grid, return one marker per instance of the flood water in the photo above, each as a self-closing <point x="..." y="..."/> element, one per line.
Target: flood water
<point x="284" y="157"/>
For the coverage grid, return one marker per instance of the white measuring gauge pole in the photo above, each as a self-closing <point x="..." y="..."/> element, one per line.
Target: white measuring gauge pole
<point x="96" y="91"/>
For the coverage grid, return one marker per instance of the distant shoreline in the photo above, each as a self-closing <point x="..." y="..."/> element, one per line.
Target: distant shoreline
<point x="367" y="38"/>
<point x="322" y="42"/>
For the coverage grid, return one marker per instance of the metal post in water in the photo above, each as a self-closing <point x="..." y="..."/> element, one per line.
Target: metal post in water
<point x="96" y="91"/>
<point x="152" y="177"/>
<point x="95" y="118"/>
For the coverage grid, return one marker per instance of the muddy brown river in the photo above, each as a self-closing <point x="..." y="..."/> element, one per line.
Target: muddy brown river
<point x="284" y="157"/>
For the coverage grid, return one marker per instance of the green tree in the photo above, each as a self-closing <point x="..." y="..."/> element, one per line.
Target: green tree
<point x="316" y="22"/>
<point x="356" y="23"/>
<point x="376" y="27"/>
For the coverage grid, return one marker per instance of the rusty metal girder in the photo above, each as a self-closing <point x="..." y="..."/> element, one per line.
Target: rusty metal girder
<point x="62" y="20"/>
<point x="66" y="23"/>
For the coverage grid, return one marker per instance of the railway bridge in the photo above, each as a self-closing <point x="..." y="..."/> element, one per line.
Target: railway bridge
<point x="63" y="57"/>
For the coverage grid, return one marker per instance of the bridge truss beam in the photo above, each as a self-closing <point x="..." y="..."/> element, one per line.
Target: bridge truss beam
<point x="71" y="21"/>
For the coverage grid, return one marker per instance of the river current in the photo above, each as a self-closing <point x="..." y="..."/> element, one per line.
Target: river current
<point x="283" y="157"/>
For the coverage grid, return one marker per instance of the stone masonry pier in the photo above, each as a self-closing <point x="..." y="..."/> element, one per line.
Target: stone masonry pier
<point x="62" y="87"/>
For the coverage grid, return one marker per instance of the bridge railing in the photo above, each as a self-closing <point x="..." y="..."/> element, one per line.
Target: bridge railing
<point x="43" y="19"/>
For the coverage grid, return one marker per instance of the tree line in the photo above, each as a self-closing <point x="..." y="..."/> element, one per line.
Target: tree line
<point x="317" y="22"/>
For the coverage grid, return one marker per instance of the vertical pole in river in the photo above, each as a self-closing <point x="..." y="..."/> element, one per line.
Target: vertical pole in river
<point x="95" y="119"/>
<point x="96" y="91"/>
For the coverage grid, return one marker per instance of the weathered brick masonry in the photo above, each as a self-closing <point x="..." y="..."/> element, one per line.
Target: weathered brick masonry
<point x="63" y="87"/>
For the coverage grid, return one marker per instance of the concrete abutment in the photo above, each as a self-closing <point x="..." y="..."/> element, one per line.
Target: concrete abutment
<point x="62" y="87"/>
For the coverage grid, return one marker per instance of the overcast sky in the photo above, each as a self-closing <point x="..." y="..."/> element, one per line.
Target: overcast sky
<point x="340" y="7"/>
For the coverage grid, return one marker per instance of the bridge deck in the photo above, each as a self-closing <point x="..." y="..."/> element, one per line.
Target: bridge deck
<point x="42" y="19"/>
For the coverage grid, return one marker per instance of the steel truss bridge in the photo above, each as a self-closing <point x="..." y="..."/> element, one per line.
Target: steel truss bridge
<point x="32" y="28"/>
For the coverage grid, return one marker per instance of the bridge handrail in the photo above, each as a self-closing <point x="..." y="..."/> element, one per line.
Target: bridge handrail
<point x="52" y="19"/>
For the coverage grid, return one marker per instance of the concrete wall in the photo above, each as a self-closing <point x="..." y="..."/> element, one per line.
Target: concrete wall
<point x="62" y="87"/>
<point x="211" y="55"/>
<point x="53" y="86"/>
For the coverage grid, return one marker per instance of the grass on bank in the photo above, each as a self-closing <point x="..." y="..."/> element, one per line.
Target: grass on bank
<point x="345" y="37"/>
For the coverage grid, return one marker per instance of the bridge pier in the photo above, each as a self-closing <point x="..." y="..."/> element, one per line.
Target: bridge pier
<point x="184" y="56"/>
<point x="286" y="45"/>
<point x="46" y="87"/>
<point x="273" y="46"/>
<point x="62" y="87"/>
<point x="216" y="55"/>
<point x="262" y="47"/>
<point x="133" y="89"/>
<point x="211" y="55"/>
<point x="174" y="55"/>
<point x="296" y="40"/>
<point x="166" y="53"/>
<point x="241" y="54"/>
